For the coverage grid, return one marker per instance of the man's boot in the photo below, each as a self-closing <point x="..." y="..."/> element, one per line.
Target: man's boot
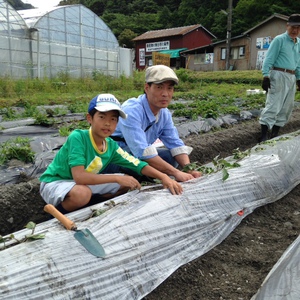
<point x="264" y="133"/>
<point x="275" y="131"/>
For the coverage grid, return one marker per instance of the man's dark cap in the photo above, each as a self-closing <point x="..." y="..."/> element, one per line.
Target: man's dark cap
<point x="294" y="20"/>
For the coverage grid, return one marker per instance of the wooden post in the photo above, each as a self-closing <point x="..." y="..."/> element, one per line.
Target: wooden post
<point x="228" y="38"/>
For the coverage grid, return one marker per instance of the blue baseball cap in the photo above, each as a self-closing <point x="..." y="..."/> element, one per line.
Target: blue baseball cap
<point x="106" y="102"/>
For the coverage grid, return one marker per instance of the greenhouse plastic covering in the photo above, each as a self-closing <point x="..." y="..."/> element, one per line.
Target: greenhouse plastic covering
<point x="149" y="234"/>
<point x="69" y="39"/>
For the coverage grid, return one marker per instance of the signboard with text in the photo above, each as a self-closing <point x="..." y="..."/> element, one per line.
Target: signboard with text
<point x="142" y="57"/>
<point x="157" y="46"/>
<point x="161" y="59"/>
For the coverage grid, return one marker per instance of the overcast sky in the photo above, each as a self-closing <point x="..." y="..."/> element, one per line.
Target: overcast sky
<point x="42" y="3"/>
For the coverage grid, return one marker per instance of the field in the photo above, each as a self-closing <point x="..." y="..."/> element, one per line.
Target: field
<point x="235" y="268"/>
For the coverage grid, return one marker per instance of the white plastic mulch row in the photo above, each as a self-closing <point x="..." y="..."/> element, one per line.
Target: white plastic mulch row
<point x="283" y="281"/>
<point x="149" y="234"/>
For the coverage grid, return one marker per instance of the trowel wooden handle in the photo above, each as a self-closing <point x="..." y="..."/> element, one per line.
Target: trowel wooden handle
<point x="70" y="225"/>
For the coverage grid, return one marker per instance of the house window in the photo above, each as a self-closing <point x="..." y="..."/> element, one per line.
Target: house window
<point x="242" y="51"/>
<point x="237" y="52"/>
<point x="199" y="59"/>
<point x="203" y="58"/>
<point x="223" y="53"/>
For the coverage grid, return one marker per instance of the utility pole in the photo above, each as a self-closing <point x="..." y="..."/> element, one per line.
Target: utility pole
<point x="228" y="38"/>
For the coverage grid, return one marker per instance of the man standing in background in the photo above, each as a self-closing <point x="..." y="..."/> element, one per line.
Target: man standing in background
<point x="281" y="73"/>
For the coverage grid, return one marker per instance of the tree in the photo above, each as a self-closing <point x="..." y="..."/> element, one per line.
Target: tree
<point x="118" y="6"/>
<point x="143" y="6"/>
<point x="126" y="37"/>
<point x="165" y="18"/>
<point x="248" y="13"/>
<point x="140" y="16"/>
<point x="18" y="4"/>
<point x="218" y="25"/>
<point x="116" y="22"/>
<point x="191" y="19"/>
<point x="69" y="2"/>
<point x="96" y="6"/>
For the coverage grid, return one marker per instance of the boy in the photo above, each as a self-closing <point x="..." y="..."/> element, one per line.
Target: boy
<point x="75" y="173"/>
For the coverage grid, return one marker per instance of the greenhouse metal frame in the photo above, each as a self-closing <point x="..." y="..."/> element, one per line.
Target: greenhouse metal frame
<point x="62" y="40"/>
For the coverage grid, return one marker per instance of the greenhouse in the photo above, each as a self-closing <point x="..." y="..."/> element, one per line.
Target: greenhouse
<point x="66" y="39"/>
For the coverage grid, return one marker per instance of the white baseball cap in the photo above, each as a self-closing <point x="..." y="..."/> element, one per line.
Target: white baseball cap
<point x="159" y="74"/>
<point x="106" y="102"/>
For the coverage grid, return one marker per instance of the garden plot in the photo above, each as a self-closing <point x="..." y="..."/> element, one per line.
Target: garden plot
<point x="150" y="234"/>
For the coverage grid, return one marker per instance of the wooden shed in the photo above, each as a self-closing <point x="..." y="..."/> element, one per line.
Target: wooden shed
<point x="170" y="41"/>
<point x="247" y="51"/>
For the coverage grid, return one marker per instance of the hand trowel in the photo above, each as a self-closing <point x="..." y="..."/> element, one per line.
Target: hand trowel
<point x="84" y="236"/>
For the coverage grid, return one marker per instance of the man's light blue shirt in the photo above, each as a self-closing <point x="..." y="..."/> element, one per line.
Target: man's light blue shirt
<point x="283" y="53"/>
<point x="142" y="128"/>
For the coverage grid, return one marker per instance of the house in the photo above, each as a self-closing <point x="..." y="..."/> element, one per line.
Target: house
<point x="247" y="51"/>
<point x="170" y="41"/>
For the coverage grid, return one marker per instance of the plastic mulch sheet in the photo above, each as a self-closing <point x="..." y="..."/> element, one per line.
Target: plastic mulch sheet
<point x="283" y="281"/>
<point x="147" y="235"/>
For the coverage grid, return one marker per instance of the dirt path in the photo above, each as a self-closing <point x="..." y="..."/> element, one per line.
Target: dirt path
<point x="232" y="270"/>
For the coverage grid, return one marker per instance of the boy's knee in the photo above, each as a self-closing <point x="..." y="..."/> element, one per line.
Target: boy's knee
<point x="78" y="197"/>
<point x="81" y="192"/>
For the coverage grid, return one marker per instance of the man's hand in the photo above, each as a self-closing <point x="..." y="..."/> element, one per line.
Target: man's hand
<point x="298" y="85"/>
<point x="195" y="174"/>
<point x="266" y="84"/>
<point x="174" y="187"/>
<point x="182" y="176"/>
<point x="191" y="168"/>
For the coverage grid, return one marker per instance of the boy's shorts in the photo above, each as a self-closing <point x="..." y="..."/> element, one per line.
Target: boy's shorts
<point x="55" y="192"/>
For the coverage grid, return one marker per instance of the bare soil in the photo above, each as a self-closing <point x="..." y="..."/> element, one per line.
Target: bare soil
<point x="234" y="269"/>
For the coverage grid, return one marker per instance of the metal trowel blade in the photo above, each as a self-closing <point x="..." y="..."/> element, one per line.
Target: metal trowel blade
<point x="89" y="242"/>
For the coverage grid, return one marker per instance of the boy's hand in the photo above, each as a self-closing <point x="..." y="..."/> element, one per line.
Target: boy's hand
<point x="174" y="187"/>
<point x="130" y="182"/>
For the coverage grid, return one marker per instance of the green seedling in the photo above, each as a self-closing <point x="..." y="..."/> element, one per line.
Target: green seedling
<point x="237" y="154"/>
<point x="18" y="148"/>
<point x="219" y="164"/>
<point x="97" y="212"/>
<point x="30" y="237"/>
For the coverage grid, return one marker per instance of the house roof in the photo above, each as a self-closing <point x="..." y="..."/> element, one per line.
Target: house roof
<point x="278" y="16"/>
<point x="169" y="32"/>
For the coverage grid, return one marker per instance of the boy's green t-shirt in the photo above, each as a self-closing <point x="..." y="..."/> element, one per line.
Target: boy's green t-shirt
<point x="80" y="150"/>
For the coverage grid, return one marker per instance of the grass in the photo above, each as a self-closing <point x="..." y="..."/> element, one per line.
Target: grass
<point x="206" y="94"/>
<point x="209" y="93"/>
<point x="65" y="90"/>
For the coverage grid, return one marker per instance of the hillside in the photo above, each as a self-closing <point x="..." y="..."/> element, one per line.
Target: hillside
<point x="130" y="18"/>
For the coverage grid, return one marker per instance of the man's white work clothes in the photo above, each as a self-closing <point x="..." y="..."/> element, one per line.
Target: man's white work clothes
<point x="283" y="53"/>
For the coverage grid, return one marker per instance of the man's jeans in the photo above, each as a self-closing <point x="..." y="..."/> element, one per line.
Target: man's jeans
<point x="164" y="153"/>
